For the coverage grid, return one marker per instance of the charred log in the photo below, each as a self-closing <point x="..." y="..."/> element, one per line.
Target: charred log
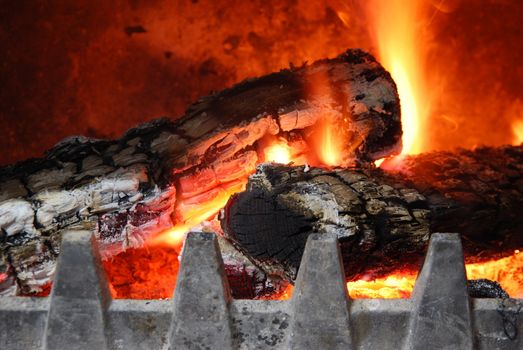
<point x="484" y="288"/>
<point x="131" y="188"/>
<point x="383" y="219"/>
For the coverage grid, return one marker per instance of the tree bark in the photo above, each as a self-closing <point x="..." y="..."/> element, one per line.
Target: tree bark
<point x="383" y="218"/>
<point x="132" y="188"/>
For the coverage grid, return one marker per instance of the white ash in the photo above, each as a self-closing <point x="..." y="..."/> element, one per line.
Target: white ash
<point x="17" y="216"/>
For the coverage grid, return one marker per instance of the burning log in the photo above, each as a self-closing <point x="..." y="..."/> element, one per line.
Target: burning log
<point x="160" y="174"/>
<point x="383" y="218"/>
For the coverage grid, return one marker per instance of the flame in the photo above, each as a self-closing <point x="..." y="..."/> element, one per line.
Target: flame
<point x="394" y="27"/>
<point x="398" y="285"/>
<point x="192" y="215"/>
<point x="378" y="162"/>
<point x="517" y="129"/>
<point x="330" y="143"/>
<point x="344" y="17"/>
<point x="278" y="152"/>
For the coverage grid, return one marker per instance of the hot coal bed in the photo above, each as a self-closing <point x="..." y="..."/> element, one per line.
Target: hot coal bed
<point x="288" y="162"/>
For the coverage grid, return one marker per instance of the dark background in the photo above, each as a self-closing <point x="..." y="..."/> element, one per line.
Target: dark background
<point x="98" y="68"/>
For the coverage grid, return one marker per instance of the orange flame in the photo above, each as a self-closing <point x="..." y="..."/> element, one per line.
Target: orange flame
<point x="517" y="129"/>
<point x="330" y="143"/>
<point x="395" y="27"/>
<point x="192" y="215"/>
<point x="508" y="272"/>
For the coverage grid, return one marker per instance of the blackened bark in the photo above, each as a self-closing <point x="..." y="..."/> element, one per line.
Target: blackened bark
<point x="383" y="218"/>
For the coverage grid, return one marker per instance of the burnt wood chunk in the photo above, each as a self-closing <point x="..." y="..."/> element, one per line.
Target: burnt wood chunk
<point x="132" y="188"/>
<point x="382" y="218"/>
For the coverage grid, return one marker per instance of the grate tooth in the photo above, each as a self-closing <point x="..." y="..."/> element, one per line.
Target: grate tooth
<point x="441" y="314"/>
<point x="320" y="303"/>
<point x="202" y="297"/>
<point x="79" y="296"/>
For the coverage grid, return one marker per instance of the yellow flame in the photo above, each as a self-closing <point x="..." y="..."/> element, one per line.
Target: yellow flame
<point x="279" y="152"/>
<point x="172" y="237"/>
<point x="394" y="26"/>
<point x="378" y="162"/>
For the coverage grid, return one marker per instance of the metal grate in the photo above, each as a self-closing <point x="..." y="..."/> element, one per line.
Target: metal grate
<point x="80" y="314"/>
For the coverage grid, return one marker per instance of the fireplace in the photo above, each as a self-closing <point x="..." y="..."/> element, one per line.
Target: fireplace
<point x="270" y="175"/>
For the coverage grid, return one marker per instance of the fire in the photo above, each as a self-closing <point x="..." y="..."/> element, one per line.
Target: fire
<point x="394" y="27"/>
<point x="378" y="162"/>
<point x="130" y="278"/>
<point x="507" y="271"/>
<point x="279" y="152"/>
<point x="517" y="129"/>
<point x="285" y="293"/>
<point x="157" y="280"/>
<point x="396" y="30"/>
<point x="190" y="215"/>
<point x="397" y="285"/>
<point x="330" y="143"/>
<point x="193" y="214"/>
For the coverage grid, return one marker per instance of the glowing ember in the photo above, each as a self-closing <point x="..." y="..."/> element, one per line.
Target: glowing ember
<point x="148" y="281"/>
<point x="279" y="152"/>
<point x="284" y="294"/>
<point x="508" y="272"/>
<point x="191" y="215"/>
<point x="287" y="293"/>
<point x="130" y="278"/>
